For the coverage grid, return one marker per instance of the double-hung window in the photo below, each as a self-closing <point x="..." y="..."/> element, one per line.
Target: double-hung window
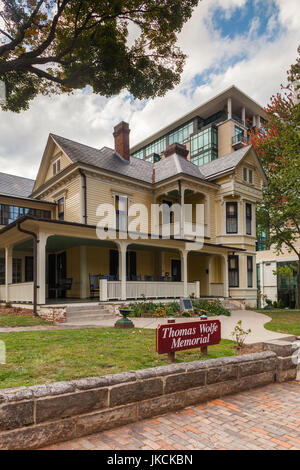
<point x="248" y="219"/>
<point x="61" y="208"/>
<point x="250" y="271"/>
<point x="17" y="271"/>
<point x="121" y="206"/>
<point x="56" y="167"/>
<point x="29" y="268"/>
<point x="233" y="271"/>
<point x="231" y="217"/>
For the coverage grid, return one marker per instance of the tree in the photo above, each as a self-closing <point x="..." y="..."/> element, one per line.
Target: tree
<point x="56" y="46"/>
<point x="278" y="147"/>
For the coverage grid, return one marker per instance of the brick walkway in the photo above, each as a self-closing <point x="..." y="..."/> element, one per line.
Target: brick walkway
<point x="264" y="418"/>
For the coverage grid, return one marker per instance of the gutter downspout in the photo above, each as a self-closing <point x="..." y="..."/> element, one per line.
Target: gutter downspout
<point x="84" y="186"/>
<point x="35" y="286"/>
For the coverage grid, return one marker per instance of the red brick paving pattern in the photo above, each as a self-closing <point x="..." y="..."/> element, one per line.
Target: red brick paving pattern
<point x="264" y="418"/>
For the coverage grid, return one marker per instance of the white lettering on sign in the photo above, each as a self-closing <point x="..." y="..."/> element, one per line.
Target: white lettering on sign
<point x="183" y="332"/>
<point x="208" y="328"/>
<point x="182" y="343"/>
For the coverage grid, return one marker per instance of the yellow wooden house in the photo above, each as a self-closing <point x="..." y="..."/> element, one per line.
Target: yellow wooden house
<point x="50" y="251"/>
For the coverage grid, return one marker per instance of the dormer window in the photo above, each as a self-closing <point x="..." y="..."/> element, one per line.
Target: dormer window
<point x="56" y="167"/>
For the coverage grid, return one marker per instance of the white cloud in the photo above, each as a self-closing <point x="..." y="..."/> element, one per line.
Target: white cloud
<point x="89" y="118"/>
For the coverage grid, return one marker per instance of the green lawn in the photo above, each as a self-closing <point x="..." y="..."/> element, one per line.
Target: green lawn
<point x="283" y="321"/>
<point x="15" y="320"/>
<point x="49" y="356"/>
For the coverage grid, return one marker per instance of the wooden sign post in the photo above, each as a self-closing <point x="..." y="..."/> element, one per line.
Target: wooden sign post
<point x="173" y="337"/>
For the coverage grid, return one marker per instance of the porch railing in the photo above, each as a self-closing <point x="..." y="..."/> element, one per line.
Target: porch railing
<point x="111" y="290"/>
<point x="3" y="293"/>
<point x="216" y="289"/>
<point x="22" y="292"/>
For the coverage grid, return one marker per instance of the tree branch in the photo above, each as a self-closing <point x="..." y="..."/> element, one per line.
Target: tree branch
<point x="19" y="38"/>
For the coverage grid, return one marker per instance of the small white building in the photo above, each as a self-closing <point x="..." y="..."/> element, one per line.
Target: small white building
<point x="276" y="287"/>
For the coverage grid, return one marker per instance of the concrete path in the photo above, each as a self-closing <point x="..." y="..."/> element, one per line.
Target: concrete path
<point x="253" y="320"/>
<point x="266" y="418"/>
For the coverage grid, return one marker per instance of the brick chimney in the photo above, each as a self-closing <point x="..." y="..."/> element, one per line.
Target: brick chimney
<point x="121" y="135"/>
<point x="177" y="149"/>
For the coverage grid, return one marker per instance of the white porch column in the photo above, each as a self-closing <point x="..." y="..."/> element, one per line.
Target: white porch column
<point x="209" y="277"/>
<point x="83" y="273"/>
<point x="225" y="276"/>
<point x="8" y="269"/>
<point x="184" y="271"/>
<point x="258" y="121"/>
<point x="41" y="267"/>
<point x="122" y="268"/>
<point x="244" y="115"/>
<point x="229" y="108"/>
<point x="254" y="121"/>
<point x="207" y="216"/>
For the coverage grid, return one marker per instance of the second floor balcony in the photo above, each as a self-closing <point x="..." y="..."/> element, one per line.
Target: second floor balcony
<point x="239" y="140"/>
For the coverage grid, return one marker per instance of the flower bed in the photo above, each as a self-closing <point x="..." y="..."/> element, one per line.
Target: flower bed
<point x="172" y="309"/>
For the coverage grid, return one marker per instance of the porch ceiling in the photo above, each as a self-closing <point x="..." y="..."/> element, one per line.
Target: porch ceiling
<point x="59" y="242"/>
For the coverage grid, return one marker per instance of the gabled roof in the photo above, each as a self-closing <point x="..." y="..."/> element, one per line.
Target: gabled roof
<point x="106" y="159"/>
<point x="175" y="165"/>
<point x="225" y="164"/>
<point x="11" y="185"/>
<point x="109" y="160"/>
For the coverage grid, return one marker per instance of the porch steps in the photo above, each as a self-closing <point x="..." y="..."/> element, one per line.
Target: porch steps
<point x="87" y="315"/>
<point x="233" y="304"/>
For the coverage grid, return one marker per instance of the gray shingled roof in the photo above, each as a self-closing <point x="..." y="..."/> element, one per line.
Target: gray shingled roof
<point x="106" y="159"/>
<point x="109" y="159"/>
<point x="223" y="164"/>
<point x="174" y="165"/>
<point x="11" y="185"/>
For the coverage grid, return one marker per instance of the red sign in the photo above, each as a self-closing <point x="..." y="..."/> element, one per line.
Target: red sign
<point x="174" y="337"/>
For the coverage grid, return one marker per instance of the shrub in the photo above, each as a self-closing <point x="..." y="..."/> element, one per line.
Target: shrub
<point x="275" y="304"/>
<point x="280" y="304"/>
<point x="239" y="334"/>
<point x="160" y="312"/>
<point x="188" y="313"/>
<point x="210" y="308"/>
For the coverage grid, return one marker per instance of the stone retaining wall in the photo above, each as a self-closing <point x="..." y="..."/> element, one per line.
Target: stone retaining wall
<point x="54" y="314"/>
<point x="31" y="417"/>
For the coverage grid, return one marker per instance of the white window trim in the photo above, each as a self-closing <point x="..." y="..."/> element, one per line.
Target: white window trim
<point x="247" y="180"/>
<point x="253" y="221"/>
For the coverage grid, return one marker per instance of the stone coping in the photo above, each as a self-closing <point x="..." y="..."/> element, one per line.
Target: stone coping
<point x="89" y="383"/>
<point x="39" y="415"/>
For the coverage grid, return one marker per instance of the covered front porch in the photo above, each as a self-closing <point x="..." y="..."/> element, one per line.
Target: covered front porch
<point x="73" y="265"/>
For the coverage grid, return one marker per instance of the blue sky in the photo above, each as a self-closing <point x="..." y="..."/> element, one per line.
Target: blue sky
<point x="248" y="43"/>
<point x="242" y="19"/>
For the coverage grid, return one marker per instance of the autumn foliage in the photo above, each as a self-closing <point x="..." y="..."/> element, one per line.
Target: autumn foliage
<point x="278" y="147"/>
